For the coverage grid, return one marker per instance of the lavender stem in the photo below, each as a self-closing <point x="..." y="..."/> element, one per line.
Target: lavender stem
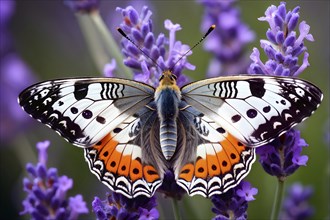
<point x="278" y="200"/>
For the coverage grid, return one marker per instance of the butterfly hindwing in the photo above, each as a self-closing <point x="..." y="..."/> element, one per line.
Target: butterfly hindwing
<point x="118" y="160"/>
<point x="85" y="110"/>
<point x="219" y="160"/>
<point x="254" y="109"/>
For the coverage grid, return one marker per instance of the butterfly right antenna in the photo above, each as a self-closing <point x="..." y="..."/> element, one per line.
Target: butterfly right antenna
<point x="205" y="35"/>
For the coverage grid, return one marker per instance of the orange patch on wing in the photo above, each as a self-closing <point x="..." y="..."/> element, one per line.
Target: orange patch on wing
<point x="124" y="165"/>
<point x="187" y="172"/>
<point x="113" y="161"/>
<point x="230" y="154"/>
<point x="201" y="168"/>
<point x="213" y="165"/>
<point x="150" y="173"/>
<point x="224" y="163"/>
<point x="235" y="143"/>
<point x="233" y="149"/>
<point x="135" y="171"/>
<point x="105" y="147"/>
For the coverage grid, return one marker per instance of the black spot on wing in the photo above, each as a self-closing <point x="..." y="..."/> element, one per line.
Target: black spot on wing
<point x="80" y="90"/>
<point x="235" y="118"/>
<point x="100" y="119"/>
<point x="87" y="114"/>
<point x="257" y="87"/>
<point x="251" y="113"/>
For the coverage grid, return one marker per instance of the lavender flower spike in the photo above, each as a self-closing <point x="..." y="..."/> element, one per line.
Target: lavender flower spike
<point x="229" y="40"/>
<point x="46" y="197"/>
<point x="14" y="76"/>
<point x="234" y="203"/>
<point x="295" y="205"/>
<point x="118" y="206"/>
<point x="282" y="157"/>
<point x="283" y="46"/>
<point x="138" y="28"/>
<point x="82" y="6"/>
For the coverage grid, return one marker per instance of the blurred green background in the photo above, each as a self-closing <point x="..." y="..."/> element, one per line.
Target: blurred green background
<point x="47" y="36"/>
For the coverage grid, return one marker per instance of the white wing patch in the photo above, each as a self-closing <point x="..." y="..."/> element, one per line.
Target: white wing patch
<point x="254" y="109"/>
<point x="84" y="110"/>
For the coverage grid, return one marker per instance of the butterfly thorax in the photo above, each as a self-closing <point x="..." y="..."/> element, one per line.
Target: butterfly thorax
<point x="167" y="97"/>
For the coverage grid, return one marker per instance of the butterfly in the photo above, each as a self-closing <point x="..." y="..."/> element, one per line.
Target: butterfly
<point x="205" y="132"/>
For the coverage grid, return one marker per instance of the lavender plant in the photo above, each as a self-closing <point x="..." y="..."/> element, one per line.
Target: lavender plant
<point x="14" y="76"/>
<point x="46" y="191"/>
<point x="117" y="206"/>
<point x="229" y="40"/>
<point x="234" y="203"/>
<point x="83" y="6"/>
<point x="296" y="205"/>
<point x="283" y="49"/>
<point x="283" y="46"/>
<point x="139" y="29"/>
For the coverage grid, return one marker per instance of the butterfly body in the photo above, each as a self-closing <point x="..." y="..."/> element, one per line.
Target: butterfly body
<point x="206" y="131"/>
<point x="167" y="98"/>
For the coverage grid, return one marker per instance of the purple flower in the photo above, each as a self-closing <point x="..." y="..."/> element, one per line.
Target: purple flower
<point x="42" y="148"/>
<point x="247" y="192"/>
<point x="170" y="188"/>
<point x="283" y="47"/>
<point x="117" y="206"/>
<point x="6" y="12"/>
<point x="146" y="214"/>
<point x="229" y="40"/>
<point x="234" y="203"/>
<point x="14" y="76"/>
<point x="295" y="205"/>
<point x="46" y="192"/>
<point x="110" y="69"/>
<point x="282" y="157"/>
<point x="77" y="206"/>
<point x="149" y="65"/>
<point x="83" y="6"/>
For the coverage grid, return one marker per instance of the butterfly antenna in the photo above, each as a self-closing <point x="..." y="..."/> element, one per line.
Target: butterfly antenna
<point x="137" y="46"/>
<point x="200" y="41"/>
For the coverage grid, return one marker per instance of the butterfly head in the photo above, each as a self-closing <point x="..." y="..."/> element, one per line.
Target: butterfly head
<point x="167" y="79"/>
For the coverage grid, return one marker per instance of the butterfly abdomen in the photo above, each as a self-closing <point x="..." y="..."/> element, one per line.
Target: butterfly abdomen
<point x="167" y="106"/>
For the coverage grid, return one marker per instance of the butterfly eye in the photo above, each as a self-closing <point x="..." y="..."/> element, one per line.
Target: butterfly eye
<point x="161" y="78"/>
<point x="173" y="77"/>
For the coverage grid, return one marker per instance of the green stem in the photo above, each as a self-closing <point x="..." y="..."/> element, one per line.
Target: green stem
<point x="176" y="210"/>
<point x="24" y="151"/>
<point x="110" y="44"/>
<point x="96" y="50"/>
<point x="278" y="200"/>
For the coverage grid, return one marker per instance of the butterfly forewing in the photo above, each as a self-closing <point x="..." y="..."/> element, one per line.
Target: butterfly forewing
<point x="85" y="110"/>
<point x="254" y="109"/>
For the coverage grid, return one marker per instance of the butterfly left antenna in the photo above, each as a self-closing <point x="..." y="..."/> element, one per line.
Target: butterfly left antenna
<point x="137" y="46"/>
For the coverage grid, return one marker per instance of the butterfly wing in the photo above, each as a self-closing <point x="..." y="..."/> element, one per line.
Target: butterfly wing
<point x="254" y="109"/>
<point x="111" y="118"/>
<point x="84" y="110"/>
<point x="121" y="159"/>
<point x="216" y="162"/>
